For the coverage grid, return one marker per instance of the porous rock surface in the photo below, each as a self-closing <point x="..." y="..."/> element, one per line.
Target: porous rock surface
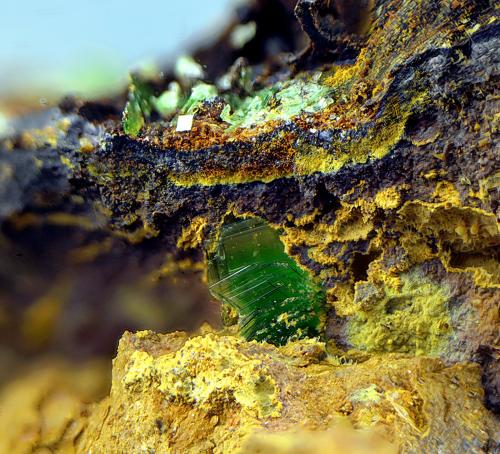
<point x="215" y="392"/>
<point x="388" y="194"/>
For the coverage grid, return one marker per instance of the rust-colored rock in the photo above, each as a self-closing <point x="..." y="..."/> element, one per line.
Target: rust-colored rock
<point x="218" y="393"/>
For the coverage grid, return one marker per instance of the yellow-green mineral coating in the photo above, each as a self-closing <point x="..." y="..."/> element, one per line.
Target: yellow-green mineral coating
<point x="249" y="271"/>
<point x="205" y="371"/>
<point x="411" y="319"/>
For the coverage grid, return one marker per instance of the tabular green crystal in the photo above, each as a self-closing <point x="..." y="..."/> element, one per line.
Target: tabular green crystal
<point x="276" y="300"/>
<point x="170" y="100"/>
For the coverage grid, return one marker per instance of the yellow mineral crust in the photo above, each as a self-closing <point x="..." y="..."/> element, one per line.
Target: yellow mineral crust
<point x="388" y="199"/>
<point x="411" y="319"/>
<point x="216" y="393"/>
<point x="193" y="235"/>
<point x="379" y="252"/>
<point x="205" y="371"/>
<point x="466" y="236"/>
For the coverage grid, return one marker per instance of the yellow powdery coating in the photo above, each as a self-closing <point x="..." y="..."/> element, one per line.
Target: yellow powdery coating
<point x="367" y="395"/>
<point x="192" y="236"/>
<point x="353" y="222"/>
<point x="388" y="199"/>
<point x="411" y="319"/>
<point x="205" y="371"/>
<point x="404" y="401"/>
<point x="382" y="137"/>
<point x="465" y="236"/>
<point x="446" y="191"/>
<point x="312" y="159"/>
<point x="487" y="185"/>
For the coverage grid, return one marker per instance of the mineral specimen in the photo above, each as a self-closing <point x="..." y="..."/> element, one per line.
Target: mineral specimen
<point x="138" y="108"/>
<point x="249" y="270"/>
<point x="217" y="393"/>
<point x="378" y="164"/>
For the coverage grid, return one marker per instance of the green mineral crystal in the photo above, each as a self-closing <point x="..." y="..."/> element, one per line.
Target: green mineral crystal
<point x="139" y="106"/>
<point x="199" y="93"/>
<point x="170" y="100"/>
<point x="282" y="101"/>
<point x="249" y="271"/>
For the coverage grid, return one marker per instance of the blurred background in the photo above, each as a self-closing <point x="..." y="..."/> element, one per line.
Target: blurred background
<point x="53" y="47"/>
<point x="71" y="281"/>
<point x="53" y="303"/>
<point x="69" y="284"/>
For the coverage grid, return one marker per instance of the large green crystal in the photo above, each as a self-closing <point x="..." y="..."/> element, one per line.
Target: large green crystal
<point x="249" y="270"/>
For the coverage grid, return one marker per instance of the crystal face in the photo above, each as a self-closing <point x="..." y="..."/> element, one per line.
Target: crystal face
<point x="248" y="270"/>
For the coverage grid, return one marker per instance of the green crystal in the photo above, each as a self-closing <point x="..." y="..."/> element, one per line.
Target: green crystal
<point x="249" y="270"/>
<point x="282" y="101"/>
<point x="199" y="93"/>
<point x="170" y="100"/>
<point x="139" y="106"/>
<point x="133" y="119"/>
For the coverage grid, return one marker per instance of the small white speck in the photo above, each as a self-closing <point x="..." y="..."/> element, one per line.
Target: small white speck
<point x="184" y="123"/>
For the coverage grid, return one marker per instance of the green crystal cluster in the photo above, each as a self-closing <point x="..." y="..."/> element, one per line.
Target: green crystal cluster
<point x="281" y="101"/>
<point x="249" y="271"/>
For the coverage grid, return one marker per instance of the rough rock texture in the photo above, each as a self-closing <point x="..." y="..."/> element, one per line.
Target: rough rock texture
<point x="214" y="392"/>
<point x="218" y="393"/>
<point x="389" y="195"/>
<point x="385" y="187"/>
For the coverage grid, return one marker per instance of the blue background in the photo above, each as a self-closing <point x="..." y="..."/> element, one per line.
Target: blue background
<point x="56" y="45"/>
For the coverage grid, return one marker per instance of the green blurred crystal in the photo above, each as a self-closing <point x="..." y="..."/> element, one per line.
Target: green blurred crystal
<point x="170" y="100"/>
<point x="282" y="101"/>
<point x="248" y="270"/>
